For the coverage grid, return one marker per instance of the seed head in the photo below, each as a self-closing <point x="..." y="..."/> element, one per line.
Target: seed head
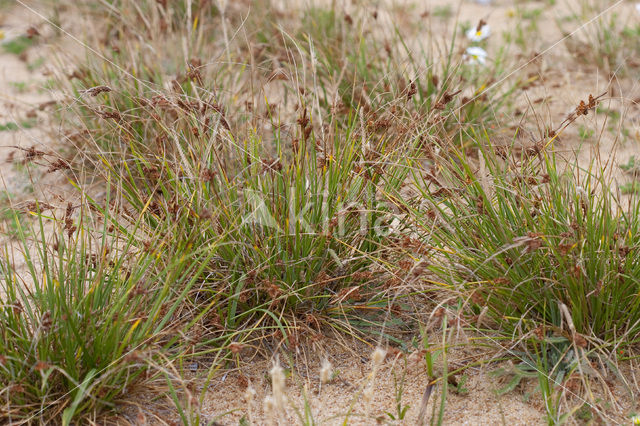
<point x="249" y="394"/>
<point x="367" y="395"/>
<point x="277" y="383"/>
<point x="378" y="356"/>
<point x="269" y="406"/>
<point x="326" y="371"/>
<point x="236" y="347"/>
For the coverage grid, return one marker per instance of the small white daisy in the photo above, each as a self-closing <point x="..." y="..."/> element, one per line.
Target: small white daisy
<point x="479" y="32"/>
<point x="475" y="55"/>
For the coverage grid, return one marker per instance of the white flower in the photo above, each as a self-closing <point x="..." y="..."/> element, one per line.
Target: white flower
<point x="480" y="32"/>
<point x="475" y="55"/>
<point x="638" y="7"/>
<point x="8" y="34"/>
<point x="636" y="419"/>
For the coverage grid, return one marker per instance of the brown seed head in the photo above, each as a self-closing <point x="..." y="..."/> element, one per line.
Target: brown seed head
<point x="236" y="347"/>
<point x="41" y="365"/>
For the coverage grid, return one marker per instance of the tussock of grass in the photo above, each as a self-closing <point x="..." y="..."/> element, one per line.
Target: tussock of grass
<point x="525" y="238"/>
<point x="83" y="330"/>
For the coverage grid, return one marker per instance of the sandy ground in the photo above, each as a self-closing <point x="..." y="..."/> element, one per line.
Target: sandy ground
<point x="399" y="375"/>
<point x="26" y="107"/>
<point x="478" y="402"/>
<point x="25" y="101"/>
<point x="559" y="88"/>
